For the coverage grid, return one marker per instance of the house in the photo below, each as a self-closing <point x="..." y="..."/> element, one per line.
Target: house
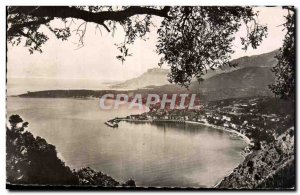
<point x="226" y="124"/>
<point x="226" y="118"/>
<point x="234" y="126"/>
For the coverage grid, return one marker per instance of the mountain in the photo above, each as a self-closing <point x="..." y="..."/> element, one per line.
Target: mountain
<point x="158" y="77"/>
<point x="262" y="60"/>
<point x="245" y="82"/>
<point x="153" y="77"/>
<point x="250" y="78"/>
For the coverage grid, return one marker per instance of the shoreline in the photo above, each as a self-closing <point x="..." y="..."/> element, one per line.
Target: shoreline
<point x="242" y="136"/>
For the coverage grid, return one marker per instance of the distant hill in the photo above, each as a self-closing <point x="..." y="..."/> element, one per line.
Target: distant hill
<point x="158" y="76"/>
<point x="250" y="78"/>
<point x="153" y="77"/>
<point x="262" y="60"/>
<point x="245" y="82"/>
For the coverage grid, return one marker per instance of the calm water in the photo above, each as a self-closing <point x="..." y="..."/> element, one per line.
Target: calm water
<point x="152" y="155"/>
<point x="17" y="86"/>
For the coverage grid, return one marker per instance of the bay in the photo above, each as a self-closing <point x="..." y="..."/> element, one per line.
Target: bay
<point x="182" y="155"/>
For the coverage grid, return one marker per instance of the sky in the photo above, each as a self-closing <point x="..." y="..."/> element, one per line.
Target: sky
<point x="97" y="59"/>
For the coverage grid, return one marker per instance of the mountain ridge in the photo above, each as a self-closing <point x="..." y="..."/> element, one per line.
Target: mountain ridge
<point x="245" y="81"/>
<point x="159" y="76"/>
<point x="153" y="77"/>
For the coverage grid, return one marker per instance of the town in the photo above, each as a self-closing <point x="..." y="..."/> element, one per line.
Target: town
<point x="261" y="119"/>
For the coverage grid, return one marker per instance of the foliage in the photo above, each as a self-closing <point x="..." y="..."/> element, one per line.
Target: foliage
<point x="191" y="39"/>
<point x="31" y="160"/>
<point x="270" y="167"/>
<point x="14" y="120"/>
<point x="88" y="176"/>
<point x="285" y="68"/>
<point x="195" y="39"/>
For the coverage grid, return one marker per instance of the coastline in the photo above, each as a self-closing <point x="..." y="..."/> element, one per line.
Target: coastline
<point x="245" y="138"/>
<point x="242" y="136"/>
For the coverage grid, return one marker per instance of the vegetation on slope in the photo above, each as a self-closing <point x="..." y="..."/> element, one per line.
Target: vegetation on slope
<point x="31" y="160"/>
<point x="270" y="167"/>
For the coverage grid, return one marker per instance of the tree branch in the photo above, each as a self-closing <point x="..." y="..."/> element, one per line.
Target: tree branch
<point x="28" y="36"/>
<point x="99" y="18"/>
<point x="16" y="28"/>
<point x="104" y="25"/>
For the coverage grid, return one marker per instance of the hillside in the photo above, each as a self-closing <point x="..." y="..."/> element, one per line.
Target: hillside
<point x="158" y="77"/>
<point x="272" y="167"/>
<point x="153" y="77"/>
<point x="262" y="60"/>
<point x="32" y="160"/>
<point x="245" y="82"/>
<point x="250" y="78"/>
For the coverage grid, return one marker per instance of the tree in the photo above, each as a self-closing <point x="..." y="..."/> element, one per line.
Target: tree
<point x="285" y="67"/>
<point x="14" y="120"/>
<point x="31" y="160"/>
<point x="191" y="39"/>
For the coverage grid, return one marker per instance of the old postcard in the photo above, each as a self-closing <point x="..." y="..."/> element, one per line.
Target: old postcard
<point x="148" y="97"/>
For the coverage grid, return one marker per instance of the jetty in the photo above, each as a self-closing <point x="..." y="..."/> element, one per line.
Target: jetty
<point x="112" y="123"/>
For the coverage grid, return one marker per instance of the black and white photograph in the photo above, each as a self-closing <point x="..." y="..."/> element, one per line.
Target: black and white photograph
<point x="128" y="97"/>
